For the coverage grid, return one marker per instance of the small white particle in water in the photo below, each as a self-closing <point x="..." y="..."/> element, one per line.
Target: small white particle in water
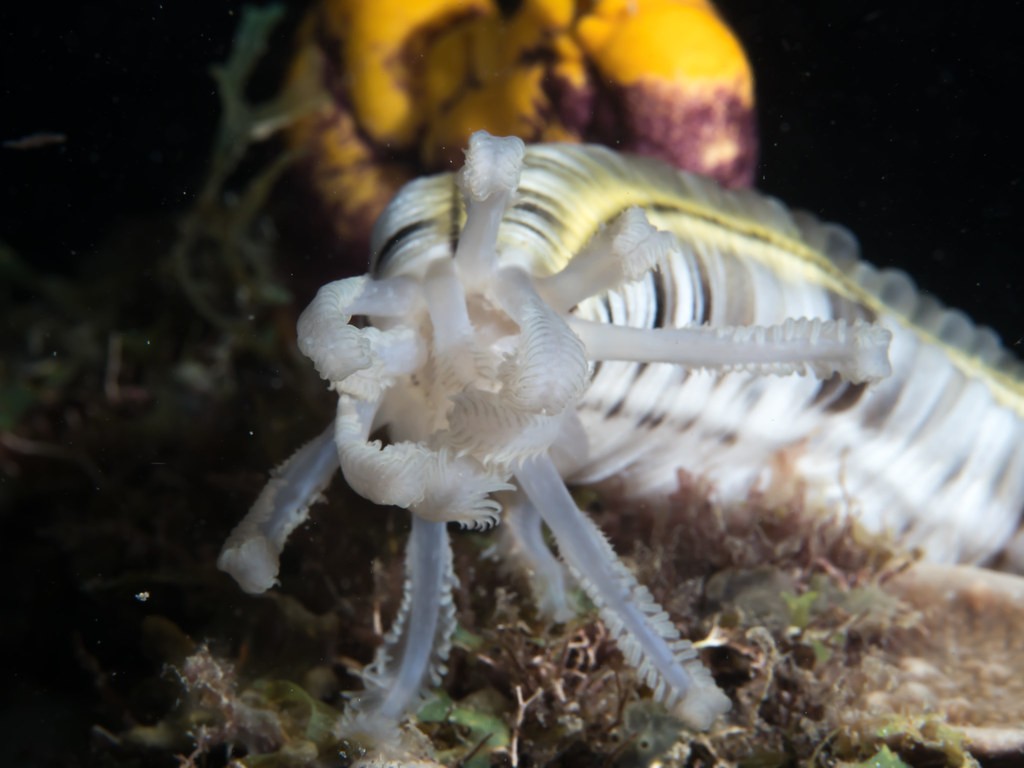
<point x="142" y="596"/>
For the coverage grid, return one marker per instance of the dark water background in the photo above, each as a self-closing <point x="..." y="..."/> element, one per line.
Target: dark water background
<point x="898" y="119"/>
<point x="893" y="118"/>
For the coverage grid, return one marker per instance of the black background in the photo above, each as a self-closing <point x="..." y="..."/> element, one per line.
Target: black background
<point x="900" y="120"/>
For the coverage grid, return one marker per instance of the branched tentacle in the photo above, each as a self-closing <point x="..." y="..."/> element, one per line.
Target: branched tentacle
<point x="548" y="370"/>
<point x="384" y="475"/>
<point x="395" y="352"/>
<point x="336" y="348"/>
<point x="857" y="351"/>
<point x="411" y="660"/>
<point x="647" y="637"/>
<point x="621" y="253"/>
<point x="433" y="483"/>
<point x="325" y="336"/>
<point x="458" y="490"/>
<point x="452" y="333"/>
<point x="488" y="180"/>
<point x="252" y="552"/>
<point x="524" y="541"/>
<point x="483" y="424"/>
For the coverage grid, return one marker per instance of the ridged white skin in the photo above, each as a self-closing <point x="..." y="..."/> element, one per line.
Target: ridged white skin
<point x="933" y="453"/>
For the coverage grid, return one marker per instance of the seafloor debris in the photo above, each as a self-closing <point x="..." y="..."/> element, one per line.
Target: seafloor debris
<point x="833" y="646"/>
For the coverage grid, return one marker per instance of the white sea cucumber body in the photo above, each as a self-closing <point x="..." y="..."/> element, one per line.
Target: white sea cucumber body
<point x="934" y="453"/>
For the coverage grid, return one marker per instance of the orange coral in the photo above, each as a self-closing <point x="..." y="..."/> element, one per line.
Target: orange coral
<point x="409" y="83"/>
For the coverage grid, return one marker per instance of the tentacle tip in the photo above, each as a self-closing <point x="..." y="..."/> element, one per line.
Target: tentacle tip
<point x="336" y="359"/>
<point x="480" y="522"/>
<point x="702" y="706"/>
<point x="477" y="512"/>
<point x="555" y="605"/>
<point x="639" y="245"/>
<point x="493" y="165"/>
<point x="872" y="343"/>
<point x="253" y="563"/>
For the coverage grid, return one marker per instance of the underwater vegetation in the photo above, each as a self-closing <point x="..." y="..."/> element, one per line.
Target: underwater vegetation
<point x="176" y="383"/>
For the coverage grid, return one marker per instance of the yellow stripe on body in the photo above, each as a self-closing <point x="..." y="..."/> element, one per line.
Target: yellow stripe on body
<point x="615" y="182"/>
<point x="568" y="192"/>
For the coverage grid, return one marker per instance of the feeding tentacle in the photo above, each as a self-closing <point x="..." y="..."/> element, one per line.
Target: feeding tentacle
<point x="251" y="555"/>
<point x="857" y="351"/>
<point x="338" y="349"/>
<point x="452" y="331"/>
<point x="641" y="628"/>
<point x="548" y="370"/>
<point x="411" y="660"/>
<point x="482" y="424"/>
<point x="433" y="483"/>
<point x="524" y="540"/>
<point x="620" y="253"/>
<point x="488" y="180"/>
<point x="395" y="352"/>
